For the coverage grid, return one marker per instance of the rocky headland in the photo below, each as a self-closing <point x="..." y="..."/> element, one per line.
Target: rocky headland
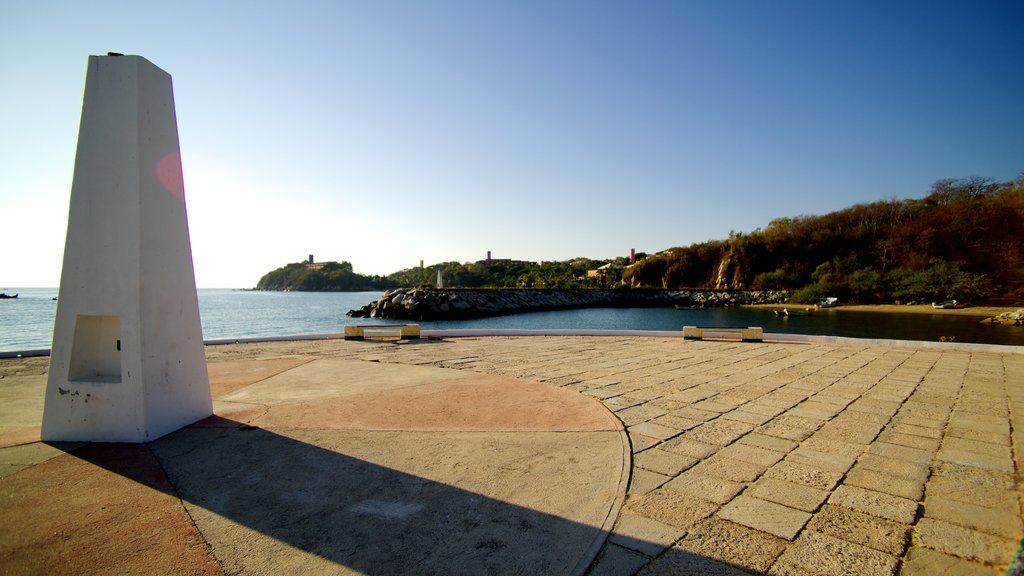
<point x="459" y="304"/>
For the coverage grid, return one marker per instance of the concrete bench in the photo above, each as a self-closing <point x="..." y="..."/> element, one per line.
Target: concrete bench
<point x="401" y="331"/>
<point x="749" y="334"/>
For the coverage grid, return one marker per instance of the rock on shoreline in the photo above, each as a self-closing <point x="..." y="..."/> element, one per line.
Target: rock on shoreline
<point x="1015" y="318"/>
<point x="458" y="304"/>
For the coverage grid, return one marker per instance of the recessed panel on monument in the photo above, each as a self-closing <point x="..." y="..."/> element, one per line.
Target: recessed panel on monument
<point x="127" y="361"/>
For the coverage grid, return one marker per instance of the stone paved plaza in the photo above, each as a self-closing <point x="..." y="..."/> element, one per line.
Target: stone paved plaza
<point x="786" y="459"/>
<point x="762" y="458"/>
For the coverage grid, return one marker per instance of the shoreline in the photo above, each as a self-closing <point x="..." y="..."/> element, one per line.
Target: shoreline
<point x="979" y="311"/>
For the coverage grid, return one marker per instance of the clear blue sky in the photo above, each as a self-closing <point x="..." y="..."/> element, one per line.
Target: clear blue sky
<point x="384" y="133"/>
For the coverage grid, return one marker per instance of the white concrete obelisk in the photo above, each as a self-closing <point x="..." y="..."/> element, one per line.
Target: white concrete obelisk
<point x="127" y="361"/>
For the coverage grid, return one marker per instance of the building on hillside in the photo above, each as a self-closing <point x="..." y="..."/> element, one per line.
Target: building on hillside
<point x="603" y="271"/>
<point x="313" y="265"/>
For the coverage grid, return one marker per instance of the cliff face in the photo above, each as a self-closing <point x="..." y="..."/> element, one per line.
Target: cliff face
<point x="427" y="304"/>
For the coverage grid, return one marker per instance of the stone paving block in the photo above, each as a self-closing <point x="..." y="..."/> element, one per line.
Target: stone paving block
<point x="741" y="415"/>
<point x="763" y="409"/>
<point x="713" y="405"/>
<point x="962" y="491"/>
<point x="833" y="446"/>
<point x="760" y="456"/>
<point x="860" y="528"/>
<point x="783" y="430"/>
<point x="856" y="436"/>
<point x="720" y="432"/>
<point x="765" y="516"/>
<point x="644" y="535"/>
<point x="818" y="410"/>
<point x="804" y="475"/>
<point x="663" y="461"/>
<point x="676" y="422"/>
<point x="640" y="442"/>
<point x="981" y="436"/>
<point x="976" y="459"/>
<point x="604" y="392"/>
<point x="909" y="470"/>
<point x="798" y="421"/>
<point x="963" y="542"/>
<point x="731" y="543"/>
<point x="617" y="561"/>
<point x="691" y="413"/>
<point x="821" y="555"/>
<point x="903" y="453"/>
<point x="884" y="482"/>
<point x="972" y="475"/>
<point x="987" y="448"/>
<point x="822" y="460"/>
<point x="664" y="403"/>
<point x="874" y="406"/>
<point x="911" y="440"/>
<point x="718" y="490"/>
<point x="653" y="430"/>
<point x="912" y="430"/>
<point x="692" y="448"/>
<point x="1002" y="522"/>
<point x="691" y="395"/>
<point x="788" y="494"/>
<point x="926" y="410"/>
<point x="685" y="563"/>
<point x="982" y="422"/>
<point x="729" y="469"/>
<point x="768" y="442"/>
<point x="933" y="422"/>
<point x="671" y="507"/>
<point x="643" y="481"/>
<point x="637" y="414"/>
<point x="645" y="395"/>
<point x="875" y="503"/>
<point x="926" y="562"/>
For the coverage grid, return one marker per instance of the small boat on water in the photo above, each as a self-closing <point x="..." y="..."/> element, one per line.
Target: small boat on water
<point x="828" y="303"/>
<point x="786" y="312"/>
<point x="696" y="307"/>
<point x="948" y="304"/>
<point x="6" y="296"/>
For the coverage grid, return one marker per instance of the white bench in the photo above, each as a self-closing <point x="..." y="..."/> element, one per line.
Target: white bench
<point x="749" y="334"/>
<point x="400" y="331"/>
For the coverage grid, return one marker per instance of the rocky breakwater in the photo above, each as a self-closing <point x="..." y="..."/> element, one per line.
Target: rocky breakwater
<point x="458" y="304"/>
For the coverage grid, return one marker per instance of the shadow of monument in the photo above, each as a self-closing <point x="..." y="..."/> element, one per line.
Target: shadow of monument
<point x="258" y="496"/>
<point x="276" y="491"/>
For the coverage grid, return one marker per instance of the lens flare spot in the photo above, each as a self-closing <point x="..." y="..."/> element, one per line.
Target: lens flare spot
<point x="168" y="171"/>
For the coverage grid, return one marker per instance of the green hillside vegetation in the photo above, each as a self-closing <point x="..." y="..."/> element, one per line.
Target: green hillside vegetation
<point x="325" y="277"/>
<point x="567" y="275"/>
<point x="964" y="240"/>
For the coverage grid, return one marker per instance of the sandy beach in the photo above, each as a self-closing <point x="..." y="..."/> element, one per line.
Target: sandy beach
<point x="979" y="311"/>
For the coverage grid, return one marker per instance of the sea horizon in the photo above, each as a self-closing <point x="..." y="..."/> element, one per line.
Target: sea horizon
<point x="26" y="323"/>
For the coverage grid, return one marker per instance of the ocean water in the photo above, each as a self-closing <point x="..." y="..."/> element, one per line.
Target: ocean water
<point x="27" y="322"/>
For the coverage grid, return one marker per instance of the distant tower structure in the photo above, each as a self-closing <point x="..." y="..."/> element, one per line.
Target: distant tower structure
<point x="488" y="256"/>
<point x="632" y="256"/>
<point x="421" y="264"/>
<point x="310" y="258"/>
<point x="127" y="361"/>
